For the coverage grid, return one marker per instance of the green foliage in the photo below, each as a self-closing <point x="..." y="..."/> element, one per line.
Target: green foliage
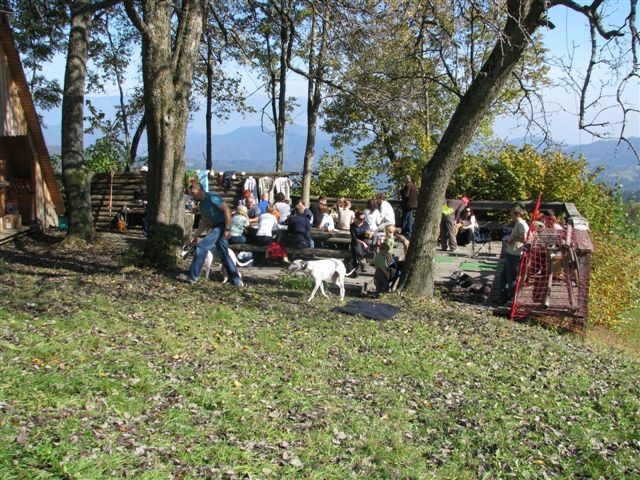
<point x="522" y="174"/>
<point x="615" y="279"/>
<point x="106" y="155"/>
<point x="514" y="173"/>
<point x="335" y="178"/>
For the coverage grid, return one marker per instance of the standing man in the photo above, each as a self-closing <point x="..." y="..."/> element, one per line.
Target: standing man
<point x="451" y="212"/>
<point x="216" y="214"/>
<point x="408" y="203"/>
<point x="514" y="244"/>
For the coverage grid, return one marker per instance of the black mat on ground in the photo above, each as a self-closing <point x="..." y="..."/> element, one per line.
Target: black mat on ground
<point x="374" y="311"/>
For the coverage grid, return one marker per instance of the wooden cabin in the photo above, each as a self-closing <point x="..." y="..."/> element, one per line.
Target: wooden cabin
<point x="29" y="191"/>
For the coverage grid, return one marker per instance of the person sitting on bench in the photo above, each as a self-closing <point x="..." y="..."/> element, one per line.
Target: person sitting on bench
<point x="267" y="224"/>
<point x="299" y="228"/>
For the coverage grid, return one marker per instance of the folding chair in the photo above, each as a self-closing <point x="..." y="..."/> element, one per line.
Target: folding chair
<point x="482" y="237"/>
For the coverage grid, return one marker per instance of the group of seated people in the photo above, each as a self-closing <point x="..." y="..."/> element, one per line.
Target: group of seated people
<point x="262" y="223"/>
<point x="372" y="229"/>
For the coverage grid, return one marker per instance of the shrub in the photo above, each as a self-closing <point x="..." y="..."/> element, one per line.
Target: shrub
<point x="514" y="174"/>
<point x="336" y="179"/>
<point x="615" y="278"/>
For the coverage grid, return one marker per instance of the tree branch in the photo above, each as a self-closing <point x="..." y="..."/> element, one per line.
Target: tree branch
<point x="134" y="17"/>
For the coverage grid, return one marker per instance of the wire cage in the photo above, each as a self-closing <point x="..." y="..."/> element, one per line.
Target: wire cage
<point x="553" y="283"/>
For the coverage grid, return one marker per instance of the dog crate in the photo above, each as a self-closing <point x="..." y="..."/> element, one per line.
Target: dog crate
<point x="553" y="282"/>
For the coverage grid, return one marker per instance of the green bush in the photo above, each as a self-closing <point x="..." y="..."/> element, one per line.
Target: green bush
<point x="336" y="179"/>
<point x="514" y="174"/>
<point x="615" y="278"/>
<point x="106" y="155"/>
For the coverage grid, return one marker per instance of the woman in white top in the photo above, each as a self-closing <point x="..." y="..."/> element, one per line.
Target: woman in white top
<point x="372" y="215"/>
<point x="467" y="226"/>
<point x="267" y="224"/>
<point x="387" y="215"/>
<point x="283" y="208"/>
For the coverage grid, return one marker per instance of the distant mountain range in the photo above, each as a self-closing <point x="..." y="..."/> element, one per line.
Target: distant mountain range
<point x="619" y="162"/>
<point x="250" y="149"/>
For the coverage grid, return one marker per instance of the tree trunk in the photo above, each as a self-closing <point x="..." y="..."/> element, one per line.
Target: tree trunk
<point x="135" y="141"/>
<point x="282" y="92"/>
<point x="523" y="19"/>
<point x="167" y="73"/>
<point x="76" y="176"/>
<point x="209" y="113"/>
<point x="314" y="99"/>
<point x="313" y="104"/>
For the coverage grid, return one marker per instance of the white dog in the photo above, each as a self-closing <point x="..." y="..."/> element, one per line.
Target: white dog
<point x="190" y="249"/>
<point x="322" y="271"/>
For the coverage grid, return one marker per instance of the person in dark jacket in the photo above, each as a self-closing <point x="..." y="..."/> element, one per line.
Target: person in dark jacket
<point x="299" y="228"/>
<point x="359" y="242"/>
<point x="408" y="203"/>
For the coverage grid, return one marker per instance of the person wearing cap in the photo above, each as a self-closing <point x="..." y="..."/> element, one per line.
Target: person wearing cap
<point x="408" y="203"/>
<point x="216" y="214"/>
<point x="450" y="217"/>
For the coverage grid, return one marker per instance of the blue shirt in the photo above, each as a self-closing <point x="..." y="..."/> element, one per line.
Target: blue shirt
<point x="263" y="206"/>
<point x="210" y="208"/>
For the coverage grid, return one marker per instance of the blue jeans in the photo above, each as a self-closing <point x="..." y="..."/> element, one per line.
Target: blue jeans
<point x="407" y="223"/>
<point x="215" y="239"/>
<point x="509" y="275"/>
<point x="238" y="240"/>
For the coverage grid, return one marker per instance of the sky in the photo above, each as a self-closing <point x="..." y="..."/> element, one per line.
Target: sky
<point x="568" y="39"/>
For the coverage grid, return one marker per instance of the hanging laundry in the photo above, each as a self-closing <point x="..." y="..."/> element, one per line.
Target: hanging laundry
<point x="265" y="185"/>
<point x="227" y="180"/>
<point x="283" y="184"/>
<point x="251" y="185"/>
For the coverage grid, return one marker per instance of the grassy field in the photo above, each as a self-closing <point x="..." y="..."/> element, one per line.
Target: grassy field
<point x="113" y="371"/>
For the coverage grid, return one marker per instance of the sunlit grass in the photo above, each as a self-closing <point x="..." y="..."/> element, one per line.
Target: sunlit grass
<point x="129" y="374"/>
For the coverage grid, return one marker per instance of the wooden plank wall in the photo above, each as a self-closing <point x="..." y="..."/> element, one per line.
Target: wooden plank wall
<point x="121" y="189"/>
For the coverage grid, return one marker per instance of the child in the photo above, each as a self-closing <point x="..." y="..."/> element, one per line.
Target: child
<point x="345" y="214"/>
<point x="239" y="222"/>
<point x="385" y="268"/>
<point x="327" y="220"/>
<point x="388" y="237"/>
